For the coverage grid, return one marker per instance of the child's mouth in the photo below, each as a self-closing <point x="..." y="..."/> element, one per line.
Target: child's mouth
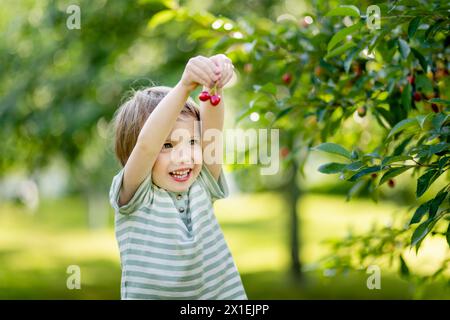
<point x="181" y="175"/>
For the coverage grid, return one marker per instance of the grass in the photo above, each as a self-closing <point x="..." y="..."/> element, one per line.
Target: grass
<point x="36" y="249"/>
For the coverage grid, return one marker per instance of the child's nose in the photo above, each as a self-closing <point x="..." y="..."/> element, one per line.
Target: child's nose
<point x="184" y="154"/>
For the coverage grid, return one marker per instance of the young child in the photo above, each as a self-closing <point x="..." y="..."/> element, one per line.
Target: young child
<point x="171" y="245"/>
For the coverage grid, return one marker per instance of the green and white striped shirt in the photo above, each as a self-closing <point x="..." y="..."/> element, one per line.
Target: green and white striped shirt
<point x="171" y="245"/>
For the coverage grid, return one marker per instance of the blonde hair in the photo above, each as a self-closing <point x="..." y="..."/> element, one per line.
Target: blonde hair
<point x="132" y="114"/>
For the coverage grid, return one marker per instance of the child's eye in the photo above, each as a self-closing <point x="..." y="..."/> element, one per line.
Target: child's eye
<point x="167" y="145"/>
<point x="194" y="141"/>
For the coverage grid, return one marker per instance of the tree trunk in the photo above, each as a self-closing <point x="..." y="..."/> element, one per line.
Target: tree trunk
<point x="292" y="193"/>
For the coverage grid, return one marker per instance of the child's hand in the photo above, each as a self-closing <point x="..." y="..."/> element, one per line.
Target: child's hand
<point x="226" y="68"/>
<point x="200" y="71"/>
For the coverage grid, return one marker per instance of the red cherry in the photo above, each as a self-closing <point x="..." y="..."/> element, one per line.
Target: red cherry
<point x="248" y="67"/>
<point x="362" y="111"/>
<point x="287" y="78"/>
<point x="284" y="152"/>
<point x="417" y="96"/>
<point x="215" y="99"/>
<point x="374" y="175"/>
<point x="204" y="96"/>
<point x="357" y="69"/>
<point x="435" y="108"/>
<point x="391" y="183"/>
<point x="441" y="73"/>
<point x="318" y="71"/>
<point x="411" y="79"/>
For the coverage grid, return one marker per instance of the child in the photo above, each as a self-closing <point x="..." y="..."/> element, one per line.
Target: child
<point x="171" y="246"/>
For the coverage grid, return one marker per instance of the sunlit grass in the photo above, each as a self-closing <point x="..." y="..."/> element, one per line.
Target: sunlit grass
<point x="35" y="250"/>
<point x="264" y="229"/>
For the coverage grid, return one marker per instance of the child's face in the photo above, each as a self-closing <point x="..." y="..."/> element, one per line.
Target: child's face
<point x="180" y="160"/>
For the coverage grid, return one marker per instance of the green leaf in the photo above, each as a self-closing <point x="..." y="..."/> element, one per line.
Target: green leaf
<point x="402" y="125"/>
<point x="406" y="97"/>
<point x="423" y="84"/>
<point x="391" y="173"/>
<point x="421" y="232"/>
<point x="348" y="60"/>
<point x="161" y="17"/>
<point x="426" y="151"/>
<point x="423" y="62"/>
<point x="434" y="28"/>
<point x="340" y="49"/>
<point x="340" y="35"/>
<point x="354" y="166"/>
<point x="404" y="48"/>
<point x="344" y="10"/>
<point x="438" y="120"/>
<point x="421" y="119"/>
<point x="392" y="159"/>
<point x="282" y="113"/>
<point x="413" y="25"/>
<point x="442" y="162"/>
<point x="388" y="117"/>
<point x="404" y="270"/>
<point x="356" y="188"/>
<point x="332" y="167"/>
<point x="167" y="3"/>
<point x="383" y="96"/>
<point x="354" y="155"/>
<point x="420" y="212"/>
<point x="333" y="148"/>
<point x="436" y="202"/>
<point x="364" y="172"/>
<point x="439" y="100"/>
<point x="425" y="180"/>
<point x="267" y="88"/>
<point x="377" y="39"/>
<point x="447" y="234"/>
<point x="401" y="147"/>
<point x="439" y="147"/>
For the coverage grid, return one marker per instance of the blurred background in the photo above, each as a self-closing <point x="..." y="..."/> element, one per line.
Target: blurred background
<point x="59" y="89"/>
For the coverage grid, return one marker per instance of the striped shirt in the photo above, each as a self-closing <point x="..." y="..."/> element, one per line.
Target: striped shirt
<point x="171" y="245"/>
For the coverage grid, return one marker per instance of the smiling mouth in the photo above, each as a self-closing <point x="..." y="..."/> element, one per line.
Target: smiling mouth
<point x="181" y="175"/>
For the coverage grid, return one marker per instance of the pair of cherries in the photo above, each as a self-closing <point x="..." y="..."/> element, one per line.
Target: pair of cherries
<point x="213" y="98"/>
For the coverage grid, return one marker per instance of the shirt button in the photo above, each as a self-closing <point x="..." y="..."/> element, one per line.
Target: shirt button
<point x="178" y="196"/>
<point x="181" y="209"/>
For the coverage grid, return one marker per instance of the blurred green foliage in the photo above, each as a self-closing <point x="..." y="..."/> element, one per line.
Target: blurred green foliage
<point x="312" y="69"/>
<point x="334" y="69"/>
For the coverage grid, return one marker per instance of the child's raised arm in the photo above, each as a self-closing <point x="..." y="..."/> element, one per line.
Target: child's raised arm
<point x="198" y="71"/>
<point x="213" y="116"/>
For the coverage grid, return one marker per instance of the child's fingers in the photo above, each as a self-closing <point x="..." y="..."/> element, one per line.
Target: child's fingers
<point x="229" y="68"/>
<point x="209" y="66"/>
<point x="228" y="73"/>
<point x="219" y="68"/>
<point x="215" y="62"/>
<point x="201" y="76"/>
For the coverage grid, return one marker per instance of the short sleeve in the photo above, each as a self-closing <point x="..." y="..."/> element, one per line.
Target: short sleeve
<point x="217" y="189"/>
<point x="142" y="196"/>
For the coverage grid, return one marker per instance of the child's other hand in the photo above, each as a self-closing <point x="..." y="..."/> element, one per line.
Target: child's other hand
<point x="200" y="71"/>
<point x="226" y="68"/>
